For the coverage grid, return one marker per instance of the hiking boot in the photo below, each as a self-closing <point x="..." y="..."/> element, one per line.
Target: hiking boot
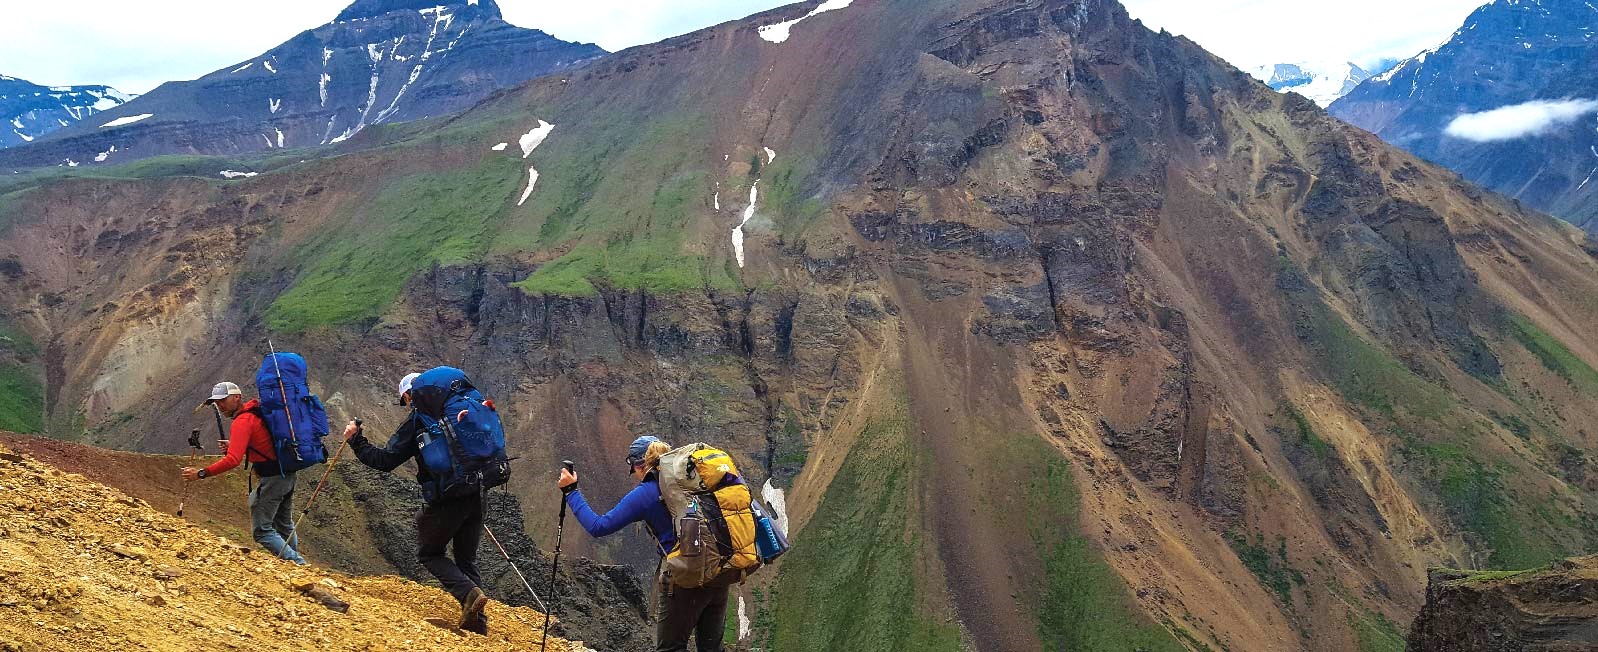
<point x="472" y="608"/>
<point x="478" y="625"/>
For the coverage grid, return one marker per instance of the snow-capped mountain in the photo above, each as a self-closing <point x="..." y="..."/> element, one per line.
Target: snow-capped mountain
<point x="1322" y="83"/>
<point x="378" y="62"/>
<point x="1508" y="101"/>
<point x="31" y="111"/>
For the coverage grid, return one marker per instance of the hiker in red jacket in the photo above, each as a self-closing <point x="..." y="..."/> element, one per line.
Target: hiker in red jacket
<point x="272" y="499"/>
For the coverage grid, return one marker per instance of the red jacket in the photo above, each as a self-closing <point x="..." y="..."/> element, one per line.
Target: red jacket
<point x="248" y="436"/>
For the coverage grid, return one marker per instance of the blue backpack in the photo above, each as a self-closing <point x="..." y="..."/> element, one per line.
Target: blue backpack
<point x="293" y="415"/>
<point x="460" y="439"/>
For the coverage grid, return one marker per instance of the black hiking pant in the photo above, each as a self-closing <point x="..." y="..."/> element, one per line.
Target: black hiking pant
<point x="457" y="521"/>
<point x="681" y="612"/>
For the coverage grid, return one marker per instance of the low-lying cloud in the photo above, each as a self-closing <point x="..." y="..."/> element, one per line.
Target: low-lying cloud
<point x="1519" y="120"/>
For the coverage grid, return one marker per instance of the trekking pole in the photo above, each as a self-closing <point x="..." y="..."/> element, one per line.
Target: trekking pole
<point x="554" y="567"/>
<point x="323" y="481"/>
<point x="513" y="567"/>
<point x="194" y="451"/>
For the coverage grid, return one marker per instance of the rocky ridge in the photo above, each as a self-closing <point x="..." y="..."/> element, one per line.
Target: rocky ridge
<point x="1553" y="609"/>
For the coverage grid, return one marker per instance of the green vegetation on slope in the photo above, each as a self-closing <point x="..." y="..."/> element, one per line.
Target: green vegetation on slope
<point x="1474" y="494"/>
<point x="1274" y="571"/>
<point x="21" y="400"/>
<point x="1375" y="632"/>
<point x="354" y="273"/>
<point x="1083" y="604"/>
<point x="852" y="581"/>
<point x="620" y="198"/>
<point x="1553" y="355"/>
<point x="1306" y="432"/>
<point x="1366" y="374"/>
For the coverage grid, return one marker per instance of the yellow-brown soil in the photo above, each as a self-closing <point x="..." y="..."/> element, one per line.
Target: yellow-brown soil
<point x="85" y="567"/>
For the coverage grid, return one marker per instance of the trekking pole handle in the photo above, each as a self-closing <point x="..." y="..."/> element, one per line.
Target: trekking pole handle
<point x="357" y="424"/>
<point x="194" y="441"/>
<point x="569" y="465"/>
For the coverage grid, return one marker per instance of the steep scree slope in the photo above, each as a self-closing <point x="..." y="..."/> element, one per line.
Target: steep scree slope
<point x="1052" y="330"/>
<point x="86" y="567"/>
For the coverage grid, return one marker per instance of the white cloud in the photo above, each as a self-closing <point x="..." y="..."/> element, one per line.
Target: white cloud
<point x="1519" y="120"/>
<point x="1252" y="33"/>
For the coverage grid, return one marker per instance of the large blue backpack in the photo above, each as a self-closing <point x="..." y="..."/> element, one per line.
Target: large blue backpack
<point x="293" y="415"/>
<point x="459" y="436"/>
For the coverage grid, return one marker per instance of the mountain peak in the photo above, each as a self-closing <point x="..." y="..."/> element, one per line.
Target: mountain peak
<point x="372" y="8"/>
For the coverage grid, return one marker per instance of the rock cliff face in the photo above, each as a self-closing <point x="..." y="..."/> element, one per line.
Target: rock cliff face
<point x="1064" y="332"/>
<point x="1554" y="609"/>
<point x="379" y="62"/>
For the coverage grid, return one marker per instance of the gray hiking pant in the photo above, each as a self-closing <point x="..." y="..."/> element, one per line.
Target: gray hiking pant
<point x="681" y="613"/>
<point x="272" y="514"/>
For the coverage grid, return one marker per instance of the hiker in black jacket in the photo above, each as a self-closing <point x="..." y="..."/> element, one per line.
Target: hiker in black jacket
<point x="441" y="522"/>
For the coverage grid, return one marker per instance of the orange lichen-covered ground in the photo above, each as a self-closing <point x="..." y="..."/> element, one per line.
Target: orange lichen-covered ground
<point x="85" y="567"/>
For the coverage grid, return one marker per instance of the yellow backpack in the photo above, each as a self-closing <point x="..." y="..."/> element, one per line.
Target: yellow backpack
<point x="711" y="515"/>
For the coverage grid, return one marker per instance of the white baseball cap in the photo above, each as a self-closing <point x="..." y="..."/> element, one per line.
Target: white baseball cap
<point x="221" y="391"/>
<point x="405" y="385"/>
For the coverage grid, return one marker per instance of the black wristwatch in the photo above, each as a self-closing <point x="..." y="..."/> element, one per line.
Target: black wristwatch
<point x="202" y="474"/>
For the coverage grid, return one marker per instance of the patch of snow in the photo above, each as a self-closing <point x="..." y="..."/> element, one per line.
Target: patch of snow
<point x="242" y="68"/>
<point x="274" y="104"/>
<point x="269" y="68"/>
<point x="25" y="138"/>
<point x="329" y="132"/>
<point x="738" y="233"/>
<point x="327" y="55"/>
<point x="500" y="147"/>
<point x="230" y="174"/>
<point x="71" y="163"/>
<point x="322" y="87"/>
<point x="17" y="122"/>
<point x="127" y="120"/>
<point x="532" y="180"/>
<point x="102" y="156"/>
<point x="374" y="52"/>
<point x="441" y="19"/>
<point x="777" y="500"/>
<point x="394" y="105"/>
<point x="279" y="137"/>
<point x="771" y="155"/>
<point x="743" y="620"/>
<point x="779" y="32"/>
<point x="1588" y="179"/>
<point x="106" y="104"/>
<point x="268" y="140"/>
<point x="532" y="139"/>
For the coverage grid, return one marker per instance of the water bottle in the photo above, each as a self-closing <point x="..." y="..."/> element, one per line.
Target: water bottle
<point x="688" y="543"/>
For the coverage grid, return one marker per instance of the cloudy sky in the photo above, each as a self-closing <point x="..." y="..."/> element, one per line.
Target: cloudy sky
<point x="134" y="46"/>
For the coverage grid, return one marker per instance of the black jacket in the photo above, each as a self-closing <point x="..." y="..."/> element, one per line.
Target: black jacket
<point x="401" y="447"/>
